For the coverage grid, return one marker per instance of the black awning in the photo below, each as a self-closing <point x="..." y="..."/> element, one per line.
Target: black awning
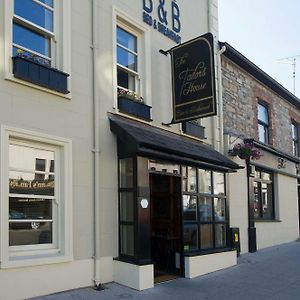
<point x="153" y="142"/>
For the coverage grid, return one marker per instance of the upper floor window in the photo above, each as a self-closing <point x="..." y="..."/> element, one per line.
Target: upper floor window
<point x="295" y="144"/>
<point x="33" y="29"/>
<point x="263" y="124"/>
<point x="127" y="60"/>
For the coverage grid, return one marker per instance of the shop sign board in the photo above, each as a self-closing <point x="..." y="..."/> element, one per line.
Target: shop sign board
<point x="193" y="79"/>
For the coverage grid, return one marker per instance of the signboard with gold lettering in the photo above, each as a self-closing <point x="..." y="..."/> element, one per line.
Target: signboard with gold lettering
<point x="193" y="79"/>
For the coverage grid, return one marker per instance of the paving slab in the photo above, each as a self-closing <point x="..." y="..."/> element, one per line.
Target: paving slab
<point x="272" y="273"/>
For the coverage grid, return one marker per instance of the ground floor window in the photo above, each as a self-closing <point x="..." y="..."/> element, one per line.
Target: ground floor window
<point x="178" y="207"/>
<point x="205" y="217"/>
<point x="37" y="188"/>
<point x="263" y="203"/>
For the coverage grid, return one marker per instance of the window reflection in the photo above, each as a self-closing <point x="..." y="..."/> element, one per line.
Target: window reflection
<point x="189" y="208"/>
<point x="204" y="181"/>
<point x="219" y="208"/>
<point x="206" y="236"/>
<point x="190" y="237"/>
<point x="31" y="176"/>
<point x="219" y="183"/>
<point x="192" y="179"/>
<point x="205" y="209"/>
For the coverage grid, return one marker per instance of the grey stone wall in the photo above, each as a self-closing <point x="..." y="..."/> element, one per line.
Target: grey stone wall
<point x="241" y="93"/>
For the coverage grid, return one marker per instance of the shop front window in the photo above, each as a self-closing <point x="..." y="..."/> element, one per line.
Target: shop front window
<point x="263" y="202"/>
<point x="205" y="217"/>
<point x="126" y="206"/>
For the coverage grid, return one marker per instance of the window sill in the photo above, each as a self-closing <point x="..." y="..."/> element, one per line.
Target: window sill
<point x="27" y="261"/>
<point x="11" y="78"/>
<point x="267" y="221"/>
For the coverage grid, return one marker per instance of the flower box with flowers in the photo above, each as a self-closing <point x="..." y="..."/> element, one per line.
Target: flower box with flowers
<point x="245" y="150"/>
<point x="37" y="70"/>
<point x="130" y="103"/>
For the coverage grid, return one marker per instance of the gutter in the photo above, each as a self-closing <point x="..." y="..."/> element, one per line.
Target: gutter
<point x="220" y="95"/>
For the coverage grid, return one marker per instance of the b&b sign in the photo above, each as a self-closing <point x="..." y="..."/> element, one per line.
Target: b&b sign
<point x="193" y="79"/>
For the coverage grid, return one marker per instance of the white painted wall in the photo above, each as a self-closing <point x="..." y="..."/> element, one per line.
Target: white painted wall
<point x="40" y="111"/>
<point x="238" y="203"/>
<point x="286" y="229"/>
<point x="203" y="264"/>
<point x="194" y="21"/>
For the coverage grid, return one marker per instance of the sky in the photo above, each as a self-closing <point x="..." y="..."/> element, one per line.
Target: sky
<point x="264" y="31"/>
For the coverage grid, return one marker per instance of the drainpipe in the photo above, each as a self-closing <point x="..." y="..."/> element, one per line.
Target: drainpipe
<point x="96" y="148"/>
<point x="213" y="119"/>
<point x="220" y="94"/>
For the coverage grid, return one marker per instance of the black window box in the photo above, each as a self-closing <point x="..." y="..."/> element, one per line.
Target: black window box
<point x="194" y="129"/>
<point x="135" y="108"/>
<point x="41" y="75"/>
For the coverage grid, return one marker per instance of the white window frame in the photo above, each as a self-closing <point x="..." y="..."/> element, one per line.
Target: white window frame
<point x="61" y="248"/>
<point x="136" y="73"/>
<point x="60" y="41"/>
<point x="142" y="32"/>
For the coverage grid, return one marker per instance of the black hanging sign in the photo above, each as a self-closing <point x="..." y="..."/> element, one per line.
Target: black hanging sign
<point x="193" y="79"/>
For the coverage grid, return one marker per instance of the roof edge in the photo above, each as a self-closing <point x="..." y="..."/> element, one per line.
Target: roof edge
<point x="243" y="62"/>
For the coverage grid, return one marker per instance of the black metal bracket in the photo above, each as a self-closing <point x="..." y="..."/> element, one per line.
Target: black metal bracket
<point x="164" y="52"/>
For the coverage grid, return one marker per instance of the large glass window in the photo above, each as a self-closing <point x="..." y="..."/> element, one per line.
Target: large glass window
<point x="32" y="195"/>
<point x="205" y="220"/>
<point x="263" y="124"/>
<point x="33" y="29"/>
<point x="295" y="143"/>
<point x="263" y="202"/>
<point x="127" y="60"/>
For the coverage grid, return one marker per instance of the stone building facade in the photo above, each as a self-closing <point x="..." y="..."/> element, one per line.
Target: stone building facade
<point x="259" y="110"/>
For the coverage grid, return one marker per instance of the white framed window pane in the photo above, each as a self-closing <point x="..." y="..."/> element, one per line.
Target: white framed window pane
<point x="263" y="114"/>
<point x="31" y="40"/>
<point x="47" y="2"/>
<point x="126" y="39"/>
<point x="30" y="233"/>
<point x="126" y="59"/>
<point x="30" y="208"/>
<point x="24" y="157"/>
<point x="35" y="13"/>
<point x="295" y="132"/>
<point x="27" y="183"/>
<point x="262" y="133"/>
<point x="126" y="80"/>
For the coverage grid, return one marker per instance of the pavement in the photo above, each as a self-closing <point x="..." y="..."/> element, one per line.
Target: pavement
<point x="272" y="273"/>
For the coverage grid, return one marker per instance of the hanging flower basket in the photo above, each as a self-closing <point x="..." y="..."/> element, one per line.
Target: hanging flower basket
<point x="245" y="150"/>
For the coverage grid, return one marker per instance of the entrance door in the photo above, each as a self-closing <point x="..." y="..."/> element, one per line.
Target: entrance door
<point x="165" y="226"/>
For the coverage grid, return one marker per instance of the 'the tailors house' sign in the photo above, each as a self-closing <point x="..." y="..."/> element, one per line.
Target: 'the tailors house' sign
<point x="193" y="79"/>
